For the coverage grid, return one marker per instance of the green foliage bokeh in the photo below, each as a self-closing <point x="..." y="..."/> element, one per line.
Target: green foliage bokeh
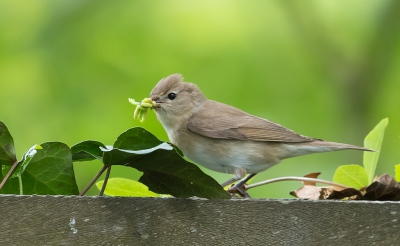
<point x="326" y="69"/>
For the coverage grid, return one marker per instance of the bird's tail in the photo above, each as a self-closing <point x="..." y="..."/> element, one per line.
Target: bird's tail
<point x="317" y="146"/>
<point x="337" y="146"/>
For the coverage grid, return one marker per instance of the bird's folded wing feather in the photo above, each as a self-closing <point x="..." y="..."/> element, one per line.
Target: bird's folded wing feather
<point x="221" y="121"/>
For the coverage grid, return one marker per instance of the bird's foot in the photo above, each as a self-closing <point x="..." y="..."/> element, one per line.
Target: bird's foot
<point x="239" y="189"/>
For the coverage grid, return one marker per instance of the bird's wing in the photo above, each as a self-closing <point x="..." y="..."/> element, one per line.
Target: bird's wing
<point x="221" y="121"/>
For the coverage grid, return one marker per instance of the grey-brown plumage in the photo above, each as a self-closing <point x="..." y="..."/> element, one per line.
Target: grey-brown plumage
<point x="224" y="138"/>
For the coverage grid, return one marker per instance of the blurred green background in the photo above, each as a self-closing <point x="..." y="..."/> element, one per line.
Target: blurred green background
<point x="326" y="69"/>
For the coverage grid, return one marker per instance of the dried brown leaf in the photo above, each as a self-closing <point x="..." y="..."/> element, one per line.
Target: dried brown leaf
<point x="385" y="188"/>
<point x="324" y="192"/>
<point x="311" y="175"/>
<point x="350" y="193"/>
<point x="307" y="192"/>
<point x="311" y="191"/>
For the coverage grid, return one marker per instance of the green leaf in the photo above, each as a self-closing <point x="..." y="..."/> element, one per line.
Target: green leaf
<point x="87" y="151"/>
<point x="28" y="156"/>
<point x="116" y="156"/>
<point x="176" y="149"/>
<point x="374" y="141"/>
<point x="136" y="138"/>
<point x="130" y="145"/>
<point x="353" y="176"/>
<point x="168" y="173"/>
<point x="397" y="172"/>
<point x="47" y="171"/>
<point x="164" y="170"/>
<point x="7" y="150"/>
<point x="126" y="187"/>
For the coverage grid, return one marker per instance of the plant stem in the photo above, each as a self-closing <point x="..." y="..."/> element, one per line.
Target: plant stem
<point x="21" y="188"/>
<point x="321" y="181"/>
<point x="8" y="174"/>
<point x="93" y="180"/>
<point x="105" y="181"/>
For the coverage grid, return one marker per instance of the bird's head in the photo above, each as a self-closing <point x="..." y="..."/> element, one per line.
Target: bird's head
<point x="176" y="100"/>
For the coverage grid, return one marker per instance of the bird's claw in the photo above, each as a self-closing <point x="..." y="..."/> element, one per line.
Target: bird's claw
<point x="239" y="189"/>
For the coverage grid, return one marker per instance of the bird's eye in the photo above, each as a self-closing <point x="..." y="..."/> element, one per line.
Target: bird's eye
<point x="171" y="96"/>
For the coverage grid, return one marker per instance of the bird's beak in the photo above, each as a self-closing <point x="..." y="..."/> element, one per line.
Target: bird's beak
<point x="156" y="102"/>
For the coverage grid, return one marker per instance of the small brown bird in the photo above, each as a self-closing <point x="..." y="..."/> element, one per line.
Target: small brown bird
<point x="226" y="139"/>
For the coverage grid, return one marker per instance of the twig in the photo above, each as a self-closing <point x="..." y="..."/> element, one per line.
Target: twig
<point x="105" y="181"/>
<point x="93" y="180"/>
<point x="321" y="181"/>
<point x="8" y="174"/>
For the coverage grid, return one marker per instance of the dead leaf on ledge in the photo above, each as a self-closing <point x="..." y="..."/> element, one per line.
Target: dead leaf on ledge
<point x="385" y="188"/>
<point x="349" y="193"/>
<point x="311" y="175"/>
<point x="326" y="192"/>
<point x="311" y="191"/>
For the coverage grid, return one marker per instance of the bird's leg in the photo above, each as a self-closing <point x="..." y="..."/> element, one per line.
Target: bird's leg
<point x="239" y="186"/>
<point x="239" y="174"/>
<point x="230" y="181"/>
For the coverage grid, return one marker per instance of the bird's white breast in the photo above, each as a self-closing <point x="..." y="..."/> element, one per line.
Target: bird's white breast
<point x="227" y="156"/>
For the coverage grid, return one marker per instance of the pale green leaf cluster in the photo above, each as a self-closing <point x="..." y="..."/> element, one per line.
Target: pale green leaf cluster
<point x="126" y="187"/>
<point x="356" y="176"/>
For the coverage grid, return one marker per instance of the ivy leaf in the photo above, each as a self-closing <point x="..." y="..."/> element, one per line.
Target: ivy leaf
<point x="28" y="156"/>
<point x="164" y="170"/>
<point x="48" y="170"/>
<point x="126" y="187"/>
<point x="353" y="176"/>
<point x="136" y="138"/>
<point x="374" y="141"/>
<point x="87" y="151"/>
<point x="117" y="156"/>
<point x="7" y="150"/>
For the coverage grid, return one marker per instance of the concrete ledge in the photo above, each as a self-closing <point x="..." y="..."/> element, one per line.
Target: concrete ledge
<point x="61" y="220"/>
